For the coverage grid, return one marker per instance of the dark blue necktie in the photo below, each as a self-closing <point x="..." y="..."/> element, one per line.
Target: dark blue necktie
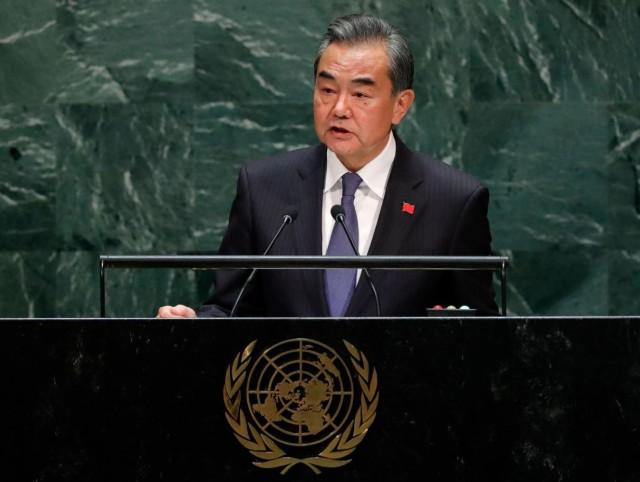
<point x="340" y="283"/>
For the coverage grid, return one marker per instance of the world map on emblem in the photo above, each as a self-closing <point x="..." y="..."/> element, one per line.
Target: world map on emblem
<point x="300" y="392"/>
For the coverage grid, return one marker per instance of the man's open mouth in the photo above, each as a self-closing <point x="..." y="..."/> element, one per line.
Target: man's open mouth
<point x="339" y="130"/>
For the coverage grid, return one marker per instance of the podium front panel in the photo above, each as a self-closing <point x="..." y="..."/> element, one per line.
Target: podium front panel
<point x="321" y="399"/>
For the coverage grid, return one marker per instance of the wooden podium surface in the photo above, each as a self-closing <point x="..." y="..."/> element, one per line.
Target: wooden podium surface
<point x="405" y="399"/>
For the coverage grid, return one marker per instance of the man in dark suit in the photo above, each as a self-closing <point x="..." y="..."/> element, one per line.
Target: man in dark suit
<point x="396" y="202"/>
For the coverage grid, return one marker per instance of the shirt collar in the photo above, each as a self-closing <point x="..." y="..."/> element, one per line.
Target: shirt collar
<point x="374" y="174"/>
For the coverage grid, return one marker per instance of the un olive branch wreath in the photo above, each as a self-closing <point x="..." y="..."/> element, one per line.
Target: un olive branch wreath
<point x="264" y="448"/>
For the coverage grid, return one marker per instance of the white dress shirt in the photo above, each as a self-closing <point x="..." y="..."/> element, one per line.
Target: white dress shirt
<point x="368" y="197"/>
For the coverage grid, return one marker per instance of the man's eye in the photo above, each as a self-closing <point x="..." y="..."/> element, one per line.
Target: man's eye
<point x="326" y="90"/>
<point x="361" y="95"/>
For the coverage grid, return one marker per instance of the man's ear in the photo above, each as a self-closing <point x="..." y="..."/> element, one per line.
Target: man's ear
<point x="403" y="102"/>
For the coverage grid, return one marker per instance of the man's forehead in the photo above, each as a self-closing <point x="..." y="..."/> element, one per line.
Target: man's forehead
<point x="359" y="62"/>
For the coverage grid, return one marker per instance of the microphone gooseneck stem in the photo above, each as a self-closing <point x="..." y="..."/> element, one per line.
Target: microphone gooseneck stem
<point x="340" y="219"/>
<point x="287" y="219"/>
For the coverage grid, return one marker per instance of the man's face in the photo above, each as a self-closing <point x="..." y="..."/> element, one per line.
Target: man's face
<point x="353" y="104"/>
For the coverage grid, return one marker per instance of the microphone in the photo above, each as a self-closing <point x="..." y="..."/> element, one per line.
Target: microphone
<point x="288" y="218"/>
<point x="337" y="212"/>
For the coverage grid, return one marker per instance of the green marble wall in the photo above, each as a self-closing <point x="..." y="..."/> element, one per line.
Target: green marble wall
<point x="123" y="123"/>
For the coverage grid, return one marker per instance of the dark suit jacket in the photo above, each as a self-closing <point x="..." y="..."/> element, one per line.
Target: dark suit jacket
<point x="450" y="218"/>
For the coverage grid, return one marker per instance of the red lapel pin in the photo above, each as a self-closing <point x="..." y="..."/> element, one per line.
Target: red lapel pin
<point x="408" y="208"/>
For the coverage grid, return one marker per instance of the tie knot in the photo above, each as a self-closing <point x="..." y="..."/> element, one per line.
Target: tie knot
<point x="350" y="182"/>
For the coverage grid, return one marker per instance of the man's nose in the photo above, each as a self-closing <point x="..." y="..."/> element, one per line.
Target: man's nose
<point x="342" y="108"/>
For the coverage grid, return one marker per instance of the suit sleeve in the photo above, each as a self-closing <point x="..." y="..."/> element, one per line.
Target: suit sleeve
<point x="473" y="238"/>
<point x="238" y="240"/>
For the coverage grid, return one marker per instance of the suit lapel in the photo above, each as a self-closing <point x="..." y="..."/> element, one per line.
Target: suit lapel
<point x="393" y="224"/>
<point x="308" y="226"/>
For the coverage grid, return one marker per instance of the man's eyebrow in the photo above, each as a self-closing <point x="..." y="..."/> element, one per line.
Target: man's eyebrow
<point x="326" y="75"/>
<point x="363" y="81"/>
<point x="358" y="80"/>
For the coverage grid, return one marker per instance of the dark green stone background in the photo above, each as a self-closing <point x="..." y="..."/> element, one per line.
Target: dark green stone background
<point x="123" y="123"/>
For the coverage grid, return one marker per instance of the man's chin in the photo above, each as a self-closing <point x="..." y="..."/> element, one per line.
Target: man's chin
<point x="341" y="147"/>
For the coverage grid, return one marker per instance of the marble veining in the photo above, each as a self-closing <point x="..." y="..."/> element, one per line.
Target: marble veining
<point x="123" y="125"/>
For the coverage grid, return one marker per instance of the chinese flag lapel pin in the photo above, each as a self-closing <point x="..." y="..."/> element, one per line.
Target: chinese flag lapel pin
<point x="408" y="208"/>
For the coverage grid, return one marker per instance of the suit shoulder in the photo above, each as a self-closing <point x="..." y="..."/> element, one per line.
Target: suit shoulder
<point x="436" y="171"/>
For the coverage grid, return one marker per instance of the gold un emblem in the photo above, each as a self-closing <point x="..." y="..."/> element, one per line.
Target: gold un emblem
<point x="300" y="398"/>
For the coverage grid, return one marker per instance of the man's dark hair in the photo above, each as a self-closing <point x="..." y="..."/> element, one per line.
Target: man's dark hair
<point x="357" y="29"/>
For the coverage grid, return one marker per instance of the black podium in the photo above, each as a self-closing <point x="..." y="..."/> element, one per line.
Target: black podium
<point x="321" y="399"/>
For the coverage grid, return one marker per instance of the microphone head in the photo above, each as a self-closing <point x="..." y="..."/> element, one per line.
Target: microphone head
<point x="290" y="215"/>
<point x="336" y="211"/>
